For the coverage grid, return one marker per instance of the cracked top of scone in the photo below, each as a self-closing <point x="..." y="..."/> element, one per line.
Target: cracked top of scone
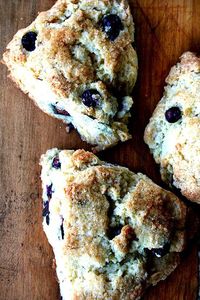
<point x="113" y="232"/>
<point x="174" y="129"/>
<point x="77" y="62"/>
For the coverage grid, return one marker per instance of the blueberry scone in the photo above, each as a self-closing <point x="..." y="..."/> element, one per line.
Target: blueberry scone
<point x="76" y="61"/>
<point x="174" y="129"/>
<point x="113" y="232"/>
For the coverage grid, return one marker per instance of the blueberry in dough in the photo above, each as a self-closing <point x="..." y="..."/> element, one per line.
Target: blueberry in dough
<point x="28" y="41"/>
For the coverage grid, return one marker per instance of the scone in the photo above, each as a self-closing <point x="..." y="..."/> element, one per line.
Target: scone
<point x="113" y="232"/>
<point x="76" y="61"/>
<point x="174" y="129"/>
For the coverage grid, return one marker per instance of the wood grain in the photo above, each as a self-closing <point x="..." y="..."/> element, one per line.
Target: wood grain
<point x="164" y="29"/>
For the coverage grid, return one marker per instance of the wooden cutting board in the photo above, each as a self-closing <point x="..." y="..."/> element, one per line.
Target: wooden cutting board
<point x="164" y="29"/>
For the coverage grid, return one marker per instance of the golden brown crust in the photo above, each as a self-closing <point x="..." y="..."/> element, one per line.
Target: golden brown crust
<point x="176" y="145"/>
<point x="72" y="55"/>
<point x="116" y="226"/>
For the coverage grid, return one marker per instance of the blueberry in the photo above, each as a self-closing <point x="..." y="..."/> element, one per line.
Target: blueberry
<point x="90" y="98"/>
<point x="160" y="252"/>
<point x="49" y="191"/>
<point x="112" y="25"/>
<point x="114" y="231"/>
<point x="60" y="111"/>
<point x="28" y="41"/>
<point x="173" y="114"/>
<point x="56" y="163"/>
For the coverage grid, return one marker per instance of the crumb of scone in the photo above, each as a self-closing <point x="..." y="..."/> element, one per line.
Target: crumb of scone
<point x="113" y="232"/>
<point x="77" y="63"/>
<point x="173" y="131"/>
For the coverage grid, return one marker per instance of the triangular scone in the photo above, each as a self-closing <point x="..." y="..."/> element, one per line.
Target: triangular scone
<point x="174" y="129"/>
<point x="113" y="232"/>
<point x="76" y="61"/>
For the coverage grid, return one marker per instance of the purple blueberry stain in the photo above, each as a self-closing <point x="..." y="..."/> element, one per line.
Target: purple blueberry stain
<point x="62" y="231"/>
<point x="45" y="212"/>
<point x="56" y="163"/>
<point x="47" y="219"/>
<point x="60" y="111"/>
<point x="49" y="191"/>
<point x="62" y="228"/>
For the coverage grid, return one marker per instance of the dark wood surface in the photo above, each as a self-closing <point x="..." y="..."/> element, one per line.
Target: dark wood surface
<point x="164" y="29"/>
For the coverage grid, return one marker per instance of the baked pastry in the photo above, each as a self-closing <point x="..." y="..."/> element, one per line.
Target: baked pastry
<point x="76" y="61"/>
<point x="113" y="232"/>
<point x="174" y="129"/>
